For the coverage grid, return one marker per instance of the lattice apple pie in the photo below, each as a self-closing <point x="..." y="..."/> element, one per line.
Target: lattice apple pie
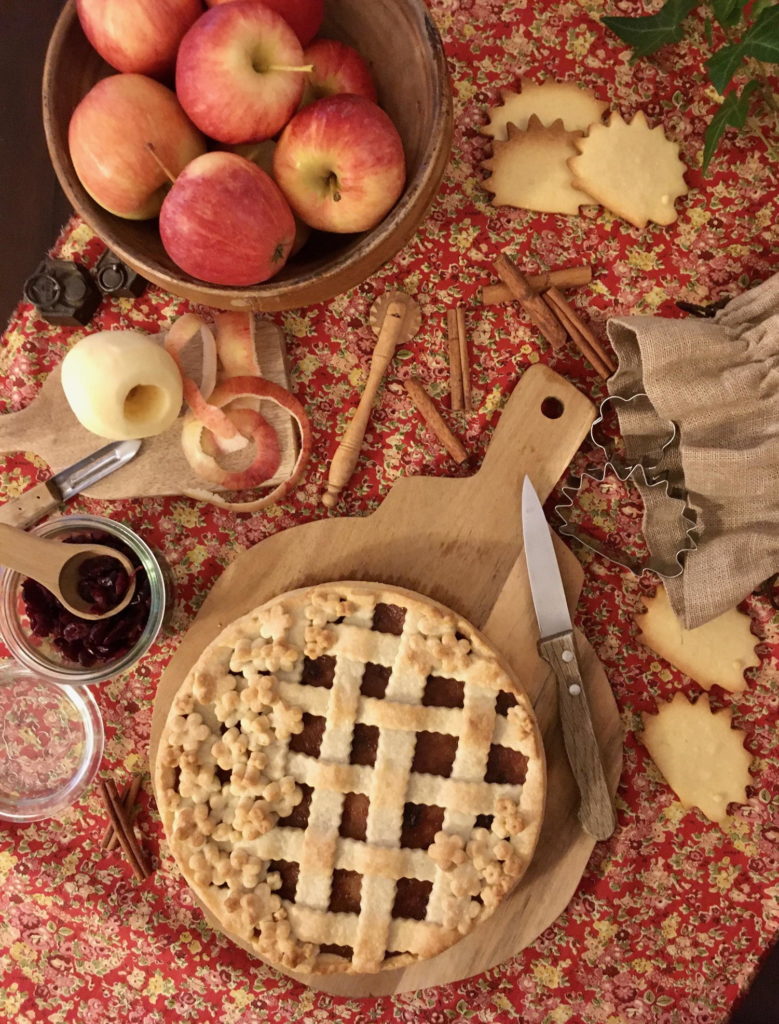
<point x="349" y="779"/>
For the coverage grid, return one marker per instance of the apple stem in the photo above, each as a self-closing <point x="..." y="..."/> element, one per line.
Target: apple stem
<point x="163" y="168"/>
<point x="332" y="184"/>
<point x="290" y="67"/>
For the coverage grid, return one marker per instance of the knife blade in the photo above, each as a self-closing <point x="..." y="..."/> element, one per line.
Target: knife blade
<point x="44" y="498"/>
<point x="556" y="646"/>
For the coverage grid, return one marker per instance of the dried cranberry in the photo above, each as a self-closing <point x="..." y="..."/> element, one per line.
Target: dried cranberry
<point x="75" y="631"/>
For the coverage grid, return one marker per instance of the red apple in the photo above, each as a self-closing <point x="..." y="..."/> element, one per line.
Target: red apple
<point x="108" y="139"/>
<point x="226" y="222"/>
<point x="304" y="16"/>
<point x="138" y="35"/>
<point x="232" y="72"/>
<point x="261" y="153"/>
<point x="340" y="163"/>
<point x="337" y="68"/>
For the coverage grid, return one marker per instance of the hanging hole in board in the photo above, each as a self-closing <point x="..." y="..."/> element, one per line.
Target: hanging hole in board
<point x="552" y="408"/>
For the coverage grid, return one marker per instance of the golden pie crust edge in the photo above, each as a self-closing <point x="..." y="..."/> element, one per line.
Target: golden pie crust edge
<point x="281" y="950"/>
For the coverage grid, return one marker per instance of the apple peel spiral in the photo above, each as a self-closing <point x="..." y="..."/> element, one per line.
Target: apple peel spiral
<point x="228" y="418"/>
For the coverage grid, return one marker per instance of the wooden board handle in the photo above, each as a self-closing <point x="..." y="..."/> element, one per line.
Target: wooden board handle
<point x="533" y="435"/>
<point x="596" y="811"/>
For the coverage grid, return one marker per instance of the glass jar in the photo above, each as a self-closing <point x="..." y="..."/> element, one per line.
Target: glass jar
<point x="52" y="744"/>
<point x="38" y="654"/>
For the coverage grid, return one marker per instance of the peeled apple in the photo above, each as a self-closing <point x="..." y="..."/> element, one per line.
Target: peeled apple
<point x="122" y="385"/>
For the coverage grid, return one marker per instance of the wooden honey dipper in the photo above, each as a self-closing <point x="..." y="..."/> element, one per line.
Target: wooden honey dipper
<point x="395" y="316"/>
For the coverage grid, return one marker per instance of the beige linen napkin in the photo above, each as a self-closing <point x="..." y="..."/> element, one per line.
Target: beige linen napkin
<point x="718" y="381"/>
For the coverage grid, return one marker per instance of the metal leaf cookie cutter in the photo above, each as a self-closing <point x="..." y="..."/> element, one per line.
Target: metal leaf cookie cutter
<point x="644" y="472"/>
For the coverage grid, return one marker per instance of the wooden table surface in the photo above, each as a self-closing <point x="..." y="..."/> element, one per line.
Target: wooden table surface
<point x="34" y="209"/>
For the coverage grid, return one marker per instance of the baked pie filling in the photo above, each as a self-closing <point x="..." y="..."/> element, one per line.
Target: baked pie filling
<point x="349" y="779"/>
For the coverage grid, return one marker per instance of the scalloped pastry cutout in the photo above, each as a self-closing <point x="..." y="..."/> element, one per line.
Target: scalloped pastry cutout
<point x="700" y="755"/>
<point x="550" y="101"/>
<point x="530" y="169"/>
<point x="632" y="169"/>
<point x="717" y="653"/>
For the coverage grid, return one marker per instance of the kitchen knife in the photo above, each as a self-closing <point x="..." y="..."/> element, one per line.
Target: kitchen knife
<point x="44" y="498"/>
<point x="556" y="646"/>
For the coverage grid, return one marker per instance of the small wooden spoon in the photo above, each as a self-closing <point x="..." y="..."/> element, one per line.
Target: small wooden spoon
<point x="56" y="566"/>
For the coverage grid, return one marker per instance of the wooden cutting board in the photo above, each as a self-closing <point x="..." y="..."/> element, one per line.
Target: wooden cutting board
<point x="459" y="542"/>
<point x="48" y="428"/>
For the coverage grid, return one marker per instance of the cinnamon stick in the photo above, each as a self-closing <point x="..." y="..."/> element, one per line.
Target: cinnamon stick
<point x="581" y="335"/>
<point x="455" y="367"/>
<point x="465" y="362"/>
<point x="565" y="277"/>
<point x="432" y="417"/>
<point x="533" y="304"/>
<point x="580" y="342"/>
<point x="124" y="832"/>
<point x="128" y="797"/>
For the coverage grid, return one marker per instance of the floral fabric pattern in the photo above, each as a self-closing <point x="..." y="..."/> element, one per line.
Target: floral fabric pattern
<point x="672" y="913"/>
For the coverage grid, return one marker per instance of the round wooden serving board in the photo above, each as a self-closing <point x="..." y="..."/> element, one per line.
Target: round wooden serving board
<point x="459" y="542"/>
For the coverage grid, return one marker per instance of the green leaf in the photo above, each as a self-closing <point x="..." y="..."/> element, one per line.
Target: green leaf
<point x="727" y="12"/>
<point x="761" y="40"/>
<point x="731" y="114"/>
<point x="708" y="31"/>
<point x="723" y="65"/>
<point x="649" y="33"/>
<point x="759" y="6"/>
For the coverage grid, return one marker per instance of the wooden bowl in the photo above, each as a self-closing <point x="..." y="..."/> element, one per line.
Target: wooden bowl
<point x="404" y="51"/>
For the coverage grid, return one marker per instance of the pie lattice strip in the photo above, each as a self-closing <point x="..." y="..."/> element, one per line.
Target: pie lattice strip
<point x="351" y="643"/>
<point x="470" y="766"/>
<point x="353" y="855"/>
<point x="339" y="929"/>
<point x="425" y="719"/>
<point x="387" y="797"/>
<point x="471" y="798"/>
<point x="382" y="713"/>
<point x="318" y="863"/>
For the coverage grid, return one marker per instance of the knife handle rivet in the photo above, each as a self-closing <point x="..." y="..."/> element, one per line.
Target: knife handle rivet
<point x="567" y="656"/>
<point x="574" y="689"/>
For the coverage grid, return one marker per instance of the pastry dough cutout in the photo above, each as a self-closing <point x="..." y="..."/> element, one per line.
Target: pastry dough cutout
<point x="530" y="170"/>
<point x="575" y="106"/>
<point x="632" y="169"/>
<point x="717" y="653"/>
<point x="700" y="755"/>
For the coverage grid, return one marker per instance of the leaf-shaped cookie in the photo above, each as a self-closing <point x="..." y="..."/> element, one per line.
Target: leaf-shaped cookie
<point x="718" y="652"/>
<point x="550" y="101"/>
<point x="632" y="169"/>
<point x="701" y="757"/>
<point x="530" y="169"/>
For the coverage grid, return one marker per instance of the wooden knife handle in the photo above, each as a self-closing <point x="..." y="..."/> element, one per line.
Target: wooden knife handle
<point x="29" y="507"/>
<point x="596" y="811"/>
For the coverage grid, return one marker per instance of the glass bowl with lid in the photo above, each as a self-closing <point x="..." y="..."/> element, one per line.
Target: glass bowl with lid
<point x="89" y="652"/>
<point x="51" y="744"/>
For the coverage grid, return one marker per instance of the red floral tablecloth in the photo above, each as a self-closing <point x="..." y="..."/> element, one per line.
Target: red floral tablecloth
<point x="673" y="913"/>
